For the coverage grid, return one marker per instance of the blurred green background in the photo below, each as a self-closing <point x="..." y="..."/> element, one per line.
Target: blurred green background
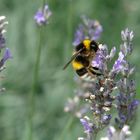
<point x="55" y="85"/>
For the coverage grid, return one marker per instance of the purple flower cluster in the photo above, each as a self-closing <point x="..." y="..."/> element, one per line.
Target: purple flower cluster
<point x="99" y="95"/>
<point x="42" y="15"/>
<point x="117" y="79"/>
<point x="90" y="29"/>
<point x="7" y="54"/>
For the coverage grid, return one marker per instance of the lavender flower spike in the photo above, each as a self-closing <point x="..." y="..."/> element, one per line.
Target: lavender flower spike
<point x="90" y="29"/>
<point x="2" y="30"/>
<point x="7" y="54"/>
<point x="42" y="15"/>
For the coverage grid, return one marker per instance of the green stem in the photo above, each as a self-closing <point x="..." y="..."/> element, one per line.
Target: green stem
<point x="43" y="3"/>
<point x="37" y="63"/>
<point x="35" y="81"/>
<point x="34" y="85"/>
<point x="95" y="136"/>
<point x="66" y="128"/>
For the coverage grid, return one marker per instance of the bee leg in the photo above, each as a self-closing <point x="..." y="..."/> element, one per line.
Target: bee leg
<point x="90" y="73"/>
<point x="95" y="71"/>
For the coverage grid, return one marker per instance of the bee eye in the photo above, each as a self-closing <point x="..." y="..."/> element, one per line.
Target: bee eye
<point x="94" y="46"/>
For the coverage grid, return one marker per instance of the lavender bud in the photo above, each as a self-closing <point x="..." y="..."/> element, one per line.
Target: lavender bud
<point x="112" y="53"/>
<point x="119" y="63"/>
<point x="42" y="15"/>
<point x="86" y="124"/>
<point x="127" y="35"/>
<point x="106" y="119"/>
<point x="2" y="31"/>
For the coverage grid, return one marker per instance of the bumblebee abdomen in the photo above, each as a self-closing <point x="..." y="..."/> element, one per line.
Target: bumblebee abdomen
<point x="80" y="62"/>
<point x="83" y="73"/>
<point x="89" y="73"/>
<point x="77" y="65"/>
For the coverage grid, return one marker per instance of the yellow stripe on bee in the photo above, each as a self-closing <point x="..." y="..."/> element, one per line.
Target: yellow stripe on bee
<point x="77" y="65"/>
<point x="86" y="43"/>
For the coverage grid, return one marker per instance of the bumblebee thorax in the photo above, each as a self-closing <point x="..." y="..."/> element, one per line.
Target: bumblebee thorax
<point x="86" y="43"/>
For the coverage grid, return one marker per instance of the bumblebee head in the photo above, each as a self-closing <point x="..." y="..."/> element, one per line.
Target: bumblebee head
<point x="90" y="45"/>
<point x="94" y="45"/>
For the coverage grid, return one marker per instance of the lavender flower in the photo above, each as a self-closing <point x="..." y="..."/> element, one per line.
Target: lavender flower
<point x="42" y="15"/>
<point x="7" y="54"/>
<point x="98" y="95"/>
<point x="90" y="29"/>
<point x="126" y="102"/>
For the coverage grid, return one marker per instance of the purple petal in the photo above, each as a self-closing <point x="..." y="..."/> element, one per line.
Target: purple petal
<point x="99" y="60"/>
<point x="86" y="125"/>
<point x="111" y="131"/>
<point x="7" y="55"/>
<point x="79" y="35"/>
<point x="106" y="119"/>
<point x="39" y="17"/>
<point x="112" y="52"/>
<point x="119" y="64"/>
<point x="133" y="105"/>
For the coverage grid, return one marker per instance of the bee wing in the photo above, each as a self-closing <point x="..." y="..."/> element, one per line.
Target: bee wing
<point x="72" y="58"/>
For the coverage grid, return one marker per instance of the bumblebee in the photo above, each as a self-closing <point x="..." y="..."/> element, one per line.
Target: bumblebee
<point x="81" y="60"/>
